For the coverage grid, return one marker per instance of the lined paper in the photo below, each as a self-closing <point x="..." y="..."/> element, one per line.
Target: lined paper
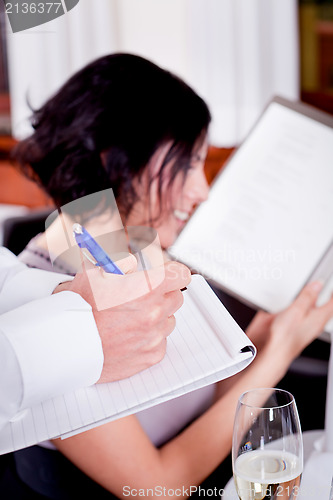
<point x="204" y="348"/>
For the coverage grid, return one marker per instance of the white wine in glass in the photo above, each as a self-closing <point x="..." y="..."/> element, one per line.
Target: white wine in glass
<point x="267" y="448"/>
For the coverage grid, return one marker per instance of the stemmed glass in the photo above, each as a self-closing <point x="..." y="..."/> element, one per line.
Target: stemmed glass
<point x="267" y="449"/>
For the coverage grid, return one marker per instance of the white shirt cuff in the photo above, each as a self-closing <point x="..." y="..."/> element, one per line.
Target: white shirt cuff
<point x="27" y="285"/>
<point x="57" y="346"/>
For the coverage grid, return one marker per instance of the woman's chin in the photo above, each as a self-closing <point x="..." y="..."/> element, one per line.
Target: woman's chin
<point x="167" y="240"/>
<point x="169" y="231"/>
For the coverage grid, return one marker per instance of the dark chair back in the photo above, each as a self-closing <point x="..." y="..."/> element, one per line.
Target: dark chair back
<point x="18" y="231"/>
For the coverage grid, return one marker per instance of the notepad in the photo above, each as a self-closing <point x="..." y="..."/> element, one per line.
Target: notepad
<point x="267" y="227"/>
<point x="206" y="346"/>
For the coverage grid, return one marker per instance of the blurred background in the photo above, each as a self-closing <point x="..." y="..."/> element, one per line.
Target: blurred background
<point x="237" y="54"/>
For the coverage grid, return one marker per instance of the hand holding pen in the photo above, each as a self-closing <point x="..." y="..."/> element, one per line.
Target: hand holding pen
<point x="134" y="332"/>
<point x="86" y="241"/>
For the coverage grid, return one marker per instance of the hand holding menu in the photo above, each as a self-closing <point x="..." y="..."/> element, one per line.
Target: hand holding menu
<point x="206" y="346"/>
<point x="267" y="227"/>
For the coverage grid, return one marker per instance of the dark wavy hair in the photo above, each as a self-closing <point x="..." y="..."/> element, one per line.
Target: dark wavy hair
<point x="104" y="124"/>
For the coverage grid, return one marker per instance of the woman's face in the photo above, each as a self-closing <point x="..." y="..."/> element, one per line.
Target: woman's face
<point x="178" y="202"/>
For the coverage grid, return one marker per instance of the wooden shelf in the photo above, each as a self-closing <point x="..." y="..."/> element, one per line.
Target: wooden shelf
<point x="4" y="103"/>
<point x="321" y="100"/>
<point x="216" y="159"/>
<point x="15" y="189"/>
<point x="18" y="190"/>
<point x="6" y="145"/>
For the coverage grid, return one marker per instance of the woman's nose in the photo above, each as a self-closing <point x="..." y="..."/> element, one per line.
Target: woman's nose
<point x="197" y="188"/>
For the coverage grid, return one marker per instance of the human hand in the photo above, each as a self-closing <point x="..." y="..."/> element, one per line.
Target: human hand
<point x="133" y="332"/>
<point x="302" y="322"/>
<point x="259" y="328"/>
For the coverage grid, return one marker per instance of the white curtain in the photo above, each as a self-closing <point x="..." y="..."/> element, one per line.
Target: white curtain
<point x="42" y="58"/>
<point x="237" y="54"/>
<point x="243" y="52"/>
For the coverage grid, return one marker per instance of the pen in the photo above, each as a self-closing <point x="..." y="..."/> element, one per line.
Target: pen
<point x="85" y="240"/>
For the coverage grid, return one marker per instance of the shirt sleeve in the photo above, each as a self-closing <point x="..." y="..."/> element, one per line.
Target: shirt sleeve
<point x="49" y="345"/>
<point x="20" y="284"/>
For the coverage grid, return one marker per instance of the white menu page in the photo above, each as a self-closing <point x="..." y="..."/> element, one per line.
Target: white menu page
<point x="268" y="222"/>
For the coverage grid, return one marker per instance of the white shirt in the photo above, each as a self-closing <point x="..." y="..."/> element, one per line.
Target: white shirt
<point x="49" y="344"/>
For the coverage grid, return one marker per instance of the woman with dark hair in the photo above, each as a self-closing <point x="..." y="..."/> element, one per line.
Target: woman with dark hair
<point x="105" y="124"/>
<point x="124" y="123"/>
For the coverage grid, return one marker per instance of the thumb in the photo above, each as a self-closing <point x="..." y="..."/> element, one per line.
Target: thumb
<point x="128" y="264"/>
<point x="307" y="299"/>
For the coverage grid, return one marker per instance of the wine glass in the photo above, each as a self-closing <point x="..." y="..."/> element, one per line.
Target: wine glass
<point x="267" y="448"/>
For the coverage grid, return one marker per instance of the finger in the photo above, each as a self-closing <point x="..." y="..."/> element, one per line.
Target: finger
<point x="259" y="327"/>
<point x="161" y="332"/>
<point x="177" y="276"/>
<point x="85" y="263"/>
<point x="127" y="265"/>
<point x="324" y="313"/>
<point x="171" y="325"/>
<point x="159" y="353"/>
<point x="261" y="320"/>
<point x="308" y="297"/>
<point x="170" y="276"/>
<point x="173" y="301"/>
<point x="168" y="326"/>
